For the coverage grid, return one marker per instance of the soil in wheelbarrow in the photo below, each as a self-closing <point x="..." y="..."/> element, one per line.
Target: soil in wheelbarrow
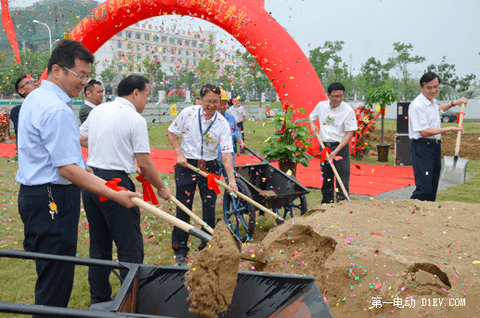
<point x="212" y="276"/>
<point x="469" y="146"/>
<point x="377" y="258"/>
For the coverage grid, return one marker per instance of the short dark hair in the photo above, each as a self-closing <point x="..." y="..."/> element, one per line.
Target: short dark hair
<point x="209" y="87"/>
<point x="90" y="85"/>
<point x="66" y="52"/>
<point x="131" y="83"/>
<point x="17" y="83"/>
<point x="428" y="77"/>
<point x="335" y="87"/>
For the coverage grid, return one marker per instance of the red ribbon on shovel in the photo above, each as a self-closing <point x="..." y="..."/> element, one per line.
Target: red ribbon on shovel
<point x="458" y="118"/>
<point x="148" y="192"/>
<point x="212" y="184"/>
<point x="324" y="153"/>
<point x="113" y="184"/>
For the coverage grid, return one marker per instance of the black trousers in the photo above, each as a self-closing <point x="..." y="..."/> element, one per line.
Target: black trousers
<point x="57" y="237"/>
<point x="343" y="169"/>
<point x="110" y="221"/>
<point x="186" y="181"/>
<point x="427" y="163"/>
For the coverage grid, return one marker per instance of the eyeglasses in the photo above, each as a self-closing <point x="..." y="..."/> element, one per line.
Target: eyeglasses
<point x="214" y="102"/>
<point x="33" y="82"/>
<point x="337" y="96"/>
<point x="83" y="78"/>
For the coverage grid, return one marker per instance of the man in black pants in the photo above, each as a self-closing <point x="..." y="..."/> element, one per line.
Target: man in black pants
<point x="51" y="169"/>
<point x="116" y="134"/>
<point x="337" y="124"/>
<point x="203" y="129"/>
<point x="424" y="129"/>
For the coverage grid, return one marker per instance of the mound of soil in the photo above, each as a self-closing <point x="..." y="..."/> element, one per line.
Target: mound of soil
<point x="404" y="258"/>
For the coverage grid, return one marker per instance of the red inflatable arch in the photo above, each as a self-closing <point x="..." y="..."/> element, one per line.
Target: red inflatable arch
<point x="276" y="52"/>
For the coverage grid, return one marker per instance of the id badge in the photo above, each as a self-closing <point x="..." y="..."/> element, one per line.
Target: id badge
<point x="202" y="165"/>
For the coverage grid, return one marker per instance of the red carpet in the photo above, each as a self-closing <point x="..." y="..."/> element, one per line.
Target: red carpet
<point x="365" y="179"/>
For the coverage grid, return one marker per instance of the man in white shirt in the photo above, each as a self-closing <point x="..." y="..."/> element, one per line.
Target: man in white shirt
<point x="94" y="93"/>
<point x="424" y="129"/>
<point x="117" y="138"/>
<point x="238" y="111"/>
<point x="202" y="129"/>
<point x="337" y="124"/>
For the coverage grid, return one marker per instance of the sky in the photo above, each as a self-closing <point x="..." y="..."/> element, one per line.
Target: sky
<point x="370" y="27"/>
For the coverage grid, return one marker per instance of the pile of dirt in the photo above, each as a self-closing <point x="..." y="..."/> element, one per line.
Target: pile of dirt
<point x="383" y="258"/>
<point x="469" y="147"/>
<point x="212" y="276"/>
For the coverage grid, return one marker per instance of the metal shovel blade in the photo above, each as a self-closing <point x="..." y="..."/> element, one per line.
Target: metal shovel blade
<point x="454" y="170"/>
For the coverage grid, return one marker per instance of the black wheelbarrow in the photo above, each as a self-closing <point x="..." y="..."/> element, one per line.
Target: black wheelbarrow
<point x="267" y="185"/>
<point x="159" y="291"/>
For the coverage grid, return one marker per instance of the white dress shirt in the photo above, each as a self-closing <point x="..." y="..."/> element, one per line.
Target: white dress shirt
<point x="187" y="125"/>
<point x="115" y="132"/>
<point x="237" y="112"/>
<point x="334" y="122"/>
<point x="423" y="114"/>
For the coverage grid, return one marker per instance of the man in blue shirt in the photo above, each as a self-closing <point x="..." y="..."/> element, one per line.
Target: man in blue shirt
<point x="51" y="170"/>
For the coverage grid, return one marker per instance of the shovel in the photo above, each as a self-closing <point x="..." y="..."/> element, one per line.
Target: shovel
<point x="205" y="237"/>
<point x="238" y="193"/>
<point x="334" y="169"/>
<point x="455" y="168"/>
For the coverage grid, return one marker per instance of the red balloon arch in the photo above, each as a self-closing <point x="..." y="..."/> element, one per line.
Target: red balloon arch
<point x="282" y="60"/>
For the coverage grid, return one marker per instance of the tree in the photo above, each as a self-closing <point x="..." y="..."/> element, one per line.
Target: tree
<point x="33" y="63"/>
<point x="320" y="57"/>
<point x="107" y="75"/>
<point x="383" y="95"/>
<point x="207" y="69"/>
<point x="401" y="61"/>
<point x="450" y="82"/>
<point x="446" y="73"/>
<point x="255" y="77"/>
<point x="374" y="74"/>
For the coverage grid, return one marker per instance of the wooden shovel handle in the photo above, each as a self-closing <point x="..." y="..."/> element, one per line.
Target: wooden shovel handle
<point x="238" y="193"/>
<point x="188" y="211"/>
<point x="169" y="218"/>
<point x="459" y="134"/>
<point x="334" y="169"/>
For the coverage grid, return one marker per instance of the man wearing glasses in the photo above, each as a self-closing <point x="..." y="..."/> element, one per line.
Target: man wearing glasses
<point x="202" y="129"/>
<point x="24" y="85"/>
<point x="51" y="171"/>
<point x="337" y="124"/>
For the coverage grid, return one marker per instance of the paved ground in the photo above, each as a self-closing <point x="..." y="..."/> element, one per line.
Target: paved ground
<point x="404" y="193"/>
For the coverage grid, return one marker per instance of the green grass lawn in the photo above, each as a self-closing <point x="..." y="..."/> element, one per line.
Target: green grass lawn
<point x="17" y="277"/>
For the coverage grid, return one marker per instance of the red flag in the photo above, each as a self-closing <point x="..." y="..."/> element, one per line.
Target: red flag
<point x="268" y="111"/>
<point x="10" y="30"/>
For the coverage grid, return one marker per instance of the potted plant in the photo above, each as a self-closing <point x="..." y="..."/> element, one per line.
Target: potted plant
<point x="289" y="143"/>
<point x="383" y="96"/>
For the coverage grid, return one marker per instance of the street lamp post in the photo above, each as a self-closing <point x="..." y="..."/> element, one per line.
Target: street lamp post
<point x="49" y="32"/>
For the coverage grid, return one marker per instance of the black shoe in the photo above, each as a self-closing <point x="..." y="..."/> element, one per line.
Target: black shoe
<point x="181" y="259"/>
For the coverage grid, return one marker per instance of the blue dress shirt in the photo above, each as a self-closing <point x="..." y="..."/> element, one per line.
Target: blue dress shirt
<point x="48" y="136"/>
<point x="235" y="132"/>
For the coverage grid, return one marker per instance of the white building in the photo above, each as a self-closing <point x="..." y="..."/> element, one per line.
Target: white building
<point x="173" y="48"/>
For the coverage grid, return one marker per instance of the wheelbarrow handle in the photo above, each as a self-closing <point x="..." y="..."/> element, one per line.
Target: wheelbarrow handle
<point x="238" y="193"/>
<point x="188" y="211"/>
<point x="256" y="155"/>
<point x="333" y="168"/>
<point x="459" y="134"/>
<point x="169" y="218"/>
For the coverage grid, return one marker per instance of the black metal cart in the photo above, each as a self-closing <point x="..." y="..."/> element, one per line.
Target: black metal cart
<point x="267" y="185"/>
<point x="159" y="291"/>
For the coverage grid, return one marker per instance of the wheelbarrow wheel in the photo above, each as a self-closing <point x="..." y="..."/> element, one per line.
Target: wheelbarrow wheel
<point x="296" y="207"/>
<point x="239" y="214"/>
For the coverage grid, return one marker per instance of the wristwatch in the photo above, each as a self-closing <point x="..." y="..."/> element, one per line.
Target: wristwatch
<point x="452" y="103"/>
